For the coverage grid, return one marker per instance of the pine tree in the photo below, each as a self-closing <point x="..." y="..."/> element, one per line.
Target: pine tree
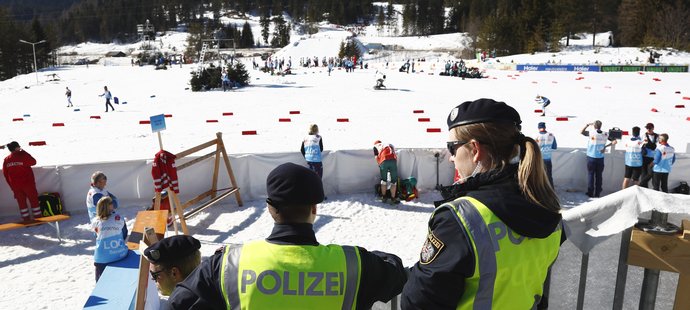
<point x="238" y="73"/>
<point x="43" y="49"/>
<point x="380" y="19"/>
<point x="555" y="34"/>
<point x="281" y="32"/>
<point x="247" y="36"/>
<point x="409" y="18"/>
<point x="265" y="23"/>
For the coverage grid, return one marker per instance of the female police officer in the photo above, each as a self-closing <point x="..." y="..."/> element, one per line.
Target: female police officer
<point x="489" y="246"/>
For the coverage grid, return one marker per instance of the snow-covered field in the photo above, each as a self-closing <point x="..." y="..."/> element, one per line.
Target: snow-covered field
<point x="40" y="274"/>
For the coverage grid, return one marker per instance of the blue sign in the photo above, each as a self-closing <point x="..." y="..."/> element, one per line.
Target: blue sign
<point x="157" y="123"/>
<point x="580" y="68"/>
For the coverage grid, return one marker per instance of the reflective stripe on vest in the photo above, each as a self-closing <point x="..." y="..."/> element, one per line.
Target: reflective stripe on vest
<point x="510" y="268"/>
<point x="262" y="275"/>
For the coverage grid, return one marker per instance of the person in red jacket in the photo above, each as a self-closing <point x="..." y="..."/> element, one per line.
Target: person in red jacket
<point x="20" y="177"/>
<point x="388" y="163"/>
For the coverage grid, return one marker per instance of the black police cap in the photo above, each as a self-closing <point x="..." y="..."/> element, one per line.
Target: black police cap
<point x="171" y="249"/>
<point x="293" y="185"/>
<point x="483" y="111"/>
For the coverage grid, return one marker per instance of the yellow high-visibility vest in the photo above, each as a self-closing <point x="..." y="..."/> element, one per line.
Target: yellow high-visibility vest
<point x="262" y="275"/>
<point x="510" y="269"/>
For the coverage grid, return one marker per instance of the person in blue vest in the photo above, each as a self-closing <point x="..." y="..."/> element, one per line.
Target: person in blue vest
<point x="290" y="269"/>
<point x="633" y="159"/>
<point x="311" y="149"/>
<point x="545" y="102"/>
<point x="111" y="233"/>
<point x="596" y="146"/>
<point x="664" y="158"/>
<point x="491" y="242"/>
<point x="97" y="191"/>
<point x="547" y="143"/>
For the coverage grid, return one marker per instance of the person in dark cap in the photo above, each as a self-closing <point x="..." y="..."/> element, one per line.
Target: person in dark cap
<point x="290" y="269"/>
<point x="20" y="177"/>
<point x="651" y="139"/>
<point x="547" y="143"/>
<point x="596" y="147"/>
<point x="502" y="187"/>
<point x="172" y="260"/>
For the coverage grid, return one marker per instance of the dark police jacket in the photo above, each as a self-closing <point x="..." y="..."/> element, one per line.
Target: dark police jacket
<point x="382" y="274"/>
<point x="439" y="282"/>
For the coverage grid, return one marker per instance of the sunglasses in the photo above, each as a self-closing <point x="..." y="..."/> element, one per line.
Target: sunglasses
<point x="454" y="145"/>
<point x="154" y="275"/>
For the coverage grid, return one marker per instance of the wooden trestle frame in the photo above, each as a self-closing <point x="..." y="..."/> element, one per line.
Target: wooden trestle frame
<point x="177" y="208"/>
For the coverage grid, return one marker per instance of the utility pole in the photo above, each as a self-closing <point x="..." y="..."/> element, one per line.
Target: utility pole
<point x="33" y="46"/>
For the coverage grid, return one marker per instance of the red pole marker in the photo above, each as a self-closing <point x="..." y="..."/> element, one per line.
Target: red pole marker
<point x="294" y="112"/>
<point x="248" y="132"/>
<point x="144" y="122"/>
<point x="211" y="120"/>
<point x="433" y="130"/>
<point x="95" y="117"/>
<point x="423" y="119"/>
<point x="284" y="120"/>
<point x="18" y="119"/>
<point x="37" y="143"/>
<point x="343" y="120"/>
<point x="168" y="115"/>
<point x="417" y="111"/>
<point x="562" y="119"/>
<point x="58" y="124"/>
<point x="227" y="114"/>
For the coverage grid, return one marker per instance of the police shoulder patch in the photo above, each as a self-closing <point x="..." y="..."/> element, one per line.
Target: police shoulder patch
<point x="431" y="248"/>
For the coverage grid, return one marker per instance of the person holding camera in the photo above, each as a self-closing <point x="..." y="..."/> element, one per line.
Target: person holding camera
<point x="596" y="146"/>
<point x="650" y="140"/>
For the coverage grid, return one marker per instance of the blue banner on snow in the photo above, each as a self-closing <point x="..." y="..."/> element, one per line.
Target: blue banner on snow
<point x="581" y="68"/>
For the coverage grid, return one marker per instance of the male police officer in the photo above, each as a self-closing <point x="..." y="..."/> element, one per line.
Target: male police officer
<point x="290" y="269"/>
<point x="172" y="260"/>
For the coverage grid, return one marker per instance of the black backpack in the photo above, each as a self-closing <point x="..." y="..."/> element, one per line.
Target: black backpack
<point x="50" y="203"/>
<point x="683" y="188"/>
